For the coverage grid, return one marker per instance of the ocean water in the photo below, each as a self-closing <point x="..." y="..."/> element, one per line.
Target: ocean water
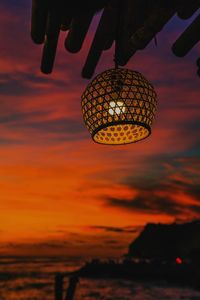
<point x="33" y="279"/>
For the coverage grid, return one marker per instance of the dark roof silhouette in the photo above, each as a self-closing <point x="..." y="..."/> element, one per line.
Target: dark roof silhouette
<point x="132" y="23"/>
<point x="160" y="241"/>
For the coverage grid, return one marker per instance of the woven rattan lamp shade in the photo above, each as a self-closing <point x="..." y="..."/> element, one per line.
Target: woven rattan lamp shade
<point x="119" y="107"/>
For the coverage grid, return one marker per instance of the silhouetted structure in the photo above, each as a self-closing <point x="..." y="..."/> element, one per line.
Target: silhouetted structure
<point x="73" y="281"/>
<point x="58" y="289"/>
<point x="166" y="242"/>
<point x="132" y="23"/>
<point x="161" y="252"/>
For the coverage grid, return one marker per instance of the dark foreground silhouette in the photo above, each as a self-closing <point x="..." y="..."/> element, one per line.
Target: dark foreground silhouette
<point x="130" y="24"/>
<point x="161" y="252"/>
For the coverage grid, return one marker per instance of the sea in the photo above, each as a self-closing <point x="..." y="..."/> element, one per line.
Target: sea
<point x="33" y="279"/>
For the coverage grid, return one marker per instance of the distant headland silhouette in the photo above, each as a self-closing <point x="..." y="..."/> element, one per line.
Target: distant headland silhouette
<point x="167" y="242"/>
<point x="167" y="252"/>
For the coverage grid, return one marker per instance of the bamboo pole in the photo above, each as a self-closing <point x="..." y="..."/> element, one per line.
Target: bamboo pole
<point x="66" y="13"/>
<point x="100" y="41"/>
<point x="129" y="22"/>
<point x="39" y="15"/>
<point x="79" y="28"/>
<point x="198" y="65"/>
<point x="51" y="41"/>
<point x="189" y="38"/>
<point x="153" y="24"/>
<point x="186" y="10"/>
<point x="66" y="23"/>
<point x="111" y="32"/>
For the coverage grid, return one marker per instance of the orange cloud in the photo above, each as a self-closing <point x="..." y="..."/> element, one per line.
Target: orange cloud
<point x="52" y="176"/>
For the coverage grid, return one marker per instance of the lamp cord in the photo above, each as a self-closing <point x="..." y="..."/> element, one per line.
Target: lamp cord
<point x="117" y="34"/>
<point x="116" y="64"/>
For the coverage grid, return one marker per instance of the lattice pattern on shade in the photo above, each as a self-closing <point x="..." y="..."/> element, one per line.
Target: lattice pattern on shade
<point x="119" y="107"/>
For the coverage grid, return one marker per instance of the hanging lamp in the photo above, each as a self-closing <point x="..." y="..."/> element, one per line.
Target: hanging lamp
<point x="119" y="107"/>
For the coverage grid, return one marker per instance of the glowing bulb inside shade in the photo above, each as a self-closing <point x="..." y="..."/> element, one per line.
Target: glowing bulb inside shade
<point x="116" y="108"/>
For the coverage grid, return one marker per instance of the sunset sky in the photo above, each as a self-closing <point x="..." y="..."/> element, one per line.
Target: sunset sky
<point x="62" y="194"/>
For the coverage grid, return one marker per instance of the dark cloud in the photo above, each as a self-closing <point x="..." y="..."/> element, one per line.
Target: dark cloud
<point x="147" y="204"/>
<point x="57" y="129"/>
<point x="20" y="117"/>
<point x="62" y="125"/>
<point x="160" y="193"/>
<point x="127" y="229"/>
<point x="112" y="242"/>
<point x="7" y="142"/>
<point x="53" y="244"/>
<point x="151" y="203"/>
<point x="27" y="83"/>
<point x="46" y="244"/>
<point x="167" y="170"/>
<point x="194" y="191"/>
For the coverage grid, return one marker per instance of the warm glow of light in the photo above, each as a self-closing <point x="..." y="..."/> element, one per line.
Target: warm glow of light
<point x="55" y="182"/>
<point x="116" y="108"/>
<point x="179" y="261"/>
<point x="119" y="114"/>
